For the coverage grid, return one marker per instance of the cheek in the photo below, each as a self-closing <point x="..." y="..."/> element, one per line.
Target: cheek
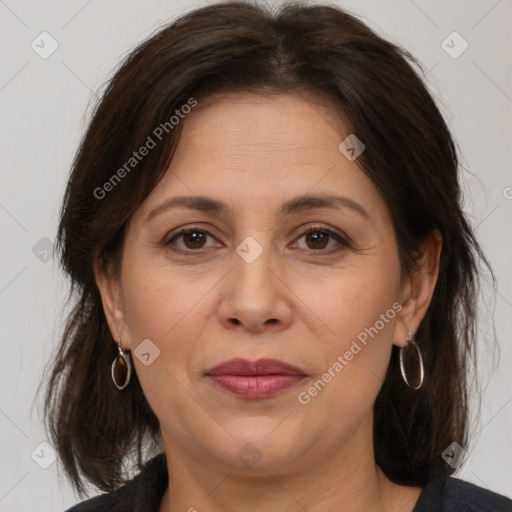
<point x="156" y="301"/>
<point x="169" y="309"/>
<point x="360" y="310"/>
<point x="160" y="308"/>
<point x="355" y="301"/>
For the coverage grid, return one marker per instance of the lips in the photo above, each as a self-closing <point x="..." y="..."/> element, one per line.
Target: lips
<point x="259" y="367"/>
<point x="263" y="378"/>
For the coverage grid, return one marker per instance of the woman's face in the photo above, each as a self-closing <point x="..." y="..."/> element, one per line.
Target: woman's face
<point x="266" y="272"/>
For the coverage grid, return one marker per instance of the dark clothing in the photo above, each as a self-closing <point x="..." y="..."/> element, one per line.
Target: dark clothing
<point x="448" y="494"/>
<point x="144" y="492"/>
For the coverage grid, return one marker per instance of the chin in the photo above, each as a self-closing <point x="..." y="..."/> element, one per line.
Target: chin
<point x="264" y="448"/>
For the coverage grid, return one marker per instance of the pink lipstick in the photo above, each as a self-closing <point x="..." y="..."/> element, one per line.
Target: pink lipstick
<point x="263" y="378"/>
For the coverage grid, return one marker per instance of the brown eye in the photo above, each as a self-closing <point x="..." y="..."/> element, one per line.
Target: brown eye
<point x="320" y="239"/>
<point x="192" y="239"/>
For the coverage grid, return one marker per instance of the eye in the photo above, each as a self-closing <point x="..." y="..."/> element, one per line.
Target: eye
<point x="318" y="238"/>
<point x="192" y="238"/>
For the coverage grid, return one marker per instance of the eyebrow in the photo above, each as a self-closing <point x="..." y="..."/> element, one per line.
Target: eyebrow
<point x="299" y="204"/>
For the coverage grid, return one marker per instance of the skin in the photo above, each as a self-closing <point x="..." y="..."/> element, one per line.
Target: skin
<point x="301" y="301"/>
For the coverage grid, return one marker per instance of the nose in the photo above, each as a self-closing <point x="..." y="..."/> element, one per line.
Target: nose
<point x="255" y="296"/>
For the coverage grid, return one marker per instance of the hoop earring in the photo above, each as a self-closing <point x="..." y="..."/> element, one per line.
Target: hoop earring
<point x="418" y="379"/>
<point x="121" y="368"/>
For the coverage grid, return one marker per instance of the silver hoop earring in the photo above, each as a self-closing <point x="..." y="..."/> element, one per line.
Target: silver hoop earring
<point x="412" y="353"/>
<point x="121" y="368"/>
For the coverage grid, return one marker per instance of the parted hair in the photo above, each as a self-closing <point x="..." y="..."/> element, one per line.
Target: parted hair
<point x="410" y="156"/>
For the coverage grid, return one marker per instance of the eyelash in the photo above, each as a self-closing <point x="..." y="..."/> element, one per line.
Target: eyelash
<point x="343" y="242"/>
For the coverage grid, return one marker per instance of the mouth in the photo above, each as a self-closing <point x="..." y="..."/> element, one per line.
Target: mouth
<point x="263" y="378"/>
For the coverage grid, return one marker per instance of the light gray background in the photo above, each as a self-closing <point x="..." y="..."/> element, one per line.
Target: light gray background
<point x="43" y="102"/>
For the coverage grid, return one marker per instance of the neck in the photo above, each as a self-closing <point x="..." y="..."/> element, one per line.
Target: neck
<point x="348" y="479"/>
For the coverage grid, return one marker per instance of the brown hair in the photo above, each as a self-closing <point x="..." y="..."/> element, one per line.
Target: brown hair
<point x="410" y="156"/>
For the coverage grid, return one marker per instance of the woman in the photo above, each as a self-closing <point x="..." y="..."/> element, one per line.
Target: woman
<point x="276" y="284"/>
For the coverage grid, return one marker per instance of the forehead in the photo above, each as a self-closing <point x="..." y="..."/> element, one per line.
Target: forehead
<point x="252" y="151"/>
<point x="267" y="125"/>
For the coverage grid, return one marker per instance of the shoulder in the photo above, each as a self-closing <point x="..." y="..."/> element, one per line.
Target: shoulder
<point x="142" y="493"/>
<point x="455" y="495"/>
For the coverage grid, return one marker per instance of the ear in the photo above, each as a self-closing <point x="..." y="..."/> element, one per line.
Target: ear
<point x="111" y="298"/>
<point x="418" y="290"/>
